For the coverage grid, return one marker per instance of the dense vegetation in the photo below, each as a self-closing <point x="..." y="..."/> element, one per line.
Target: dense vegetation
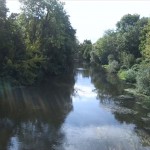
<point x="37" y="42"/>
<point x="125" y="51"/>
<point x="40" y="42"/>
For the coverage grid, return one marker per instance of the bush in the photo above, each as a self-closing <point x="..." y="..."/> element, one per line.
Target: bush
<point x="123" y="67"/>
<point x="130" y="76"/>
<point x="113" y="66"/>
<point x="135" y="67"/>
<point x="127" y="59"/>
<point x="138" y="60"/>
<point x="94" y="58"/>
<point x="110" y="58"/>
<point x="122" y="74"/>
<point x="143" y="79"/>
<point x="127" y="75"/>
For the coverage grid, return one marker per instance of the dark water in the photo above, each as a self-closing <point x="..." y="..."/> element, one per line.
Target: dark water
<point x="81" y="111"/>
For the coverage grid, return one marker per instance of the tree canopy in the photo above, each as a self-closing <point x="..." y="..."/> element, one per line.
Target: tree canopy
<point x="38" y="42"/>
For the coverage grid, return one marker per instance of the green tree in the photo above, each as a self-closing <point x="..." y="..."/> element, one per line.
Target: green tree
<point x="4" y="34"/>
<point x="124" y="43"/>
<point x="37" y="42"/>
<point x="85" y="49"/>
<point x="49" y="32"/>
<point x="3" y="10"/>
<point x="143" y="79"/>
<point x="129" y="29"/>
<point x="145" y="42"/>
<point x="126" y="22"/>
<point x="106" y="45"/>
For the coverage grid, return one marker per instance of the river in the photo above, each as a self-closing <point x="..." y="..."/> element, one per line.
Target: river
<point x="85" y="110"/>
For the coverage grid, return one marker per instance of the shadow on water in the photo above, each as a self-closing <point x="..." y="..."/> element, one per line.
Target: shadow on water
<point x="31" y="117"/>
<point x="128" y="109"/>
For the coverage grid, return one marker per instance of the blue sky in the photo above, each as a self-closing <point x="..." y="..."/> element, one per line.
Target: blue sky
<point x="91" y="18"/>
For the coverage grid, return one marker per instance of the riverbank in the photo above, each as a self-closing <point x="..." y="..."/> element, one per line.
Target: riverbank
<point x="129" y="77"/>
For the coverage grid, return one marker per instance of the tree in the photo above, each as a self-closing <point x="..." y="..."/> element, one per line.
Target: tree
<point x="106" y="45"/>
<point x="124" y="43"/>
<point x="145" y="42"/>
<point x="85" y="49"/>
<point x="37" y="42"/>
<point x="129" y="29"/>
<point x="126" y="22"/>
<point x="49" y="32"/>
<point x="3" y="10"/>
<point x="5" y="38"/>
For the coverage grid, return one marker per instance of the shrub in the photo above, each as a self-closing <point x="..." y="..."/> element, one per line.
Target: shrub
<point x="130" y="76"/>
<point x="127" y="75"/>
<point x="110" y="58"/>
<point x="138" y="60"/>
<point x="113" y="66"/>
<point x="94" y="58"/>
<point x="127" y="59"/>
<point x="123" y="67"/>
<point x="122" y="74"/>
<point x="135" y="67"/>
<point x="143" y="79"/>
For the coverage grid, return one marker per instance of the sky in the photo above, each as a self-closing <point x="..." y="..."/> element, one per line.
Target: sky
<point x="91" y="18"/>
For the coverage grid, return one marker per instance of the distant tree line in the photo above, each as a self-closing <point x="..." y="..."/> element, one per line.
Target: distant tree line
<point x="37" y="42"/>
<point x="125" y="51"/>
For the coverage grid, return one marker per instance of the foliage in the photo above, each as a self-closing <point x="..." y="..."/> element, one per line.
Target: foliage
<point x="122" y="74"/>
<point x="110" y="58"/>
<point x="143" y="79"/>
<point x="145" y="42"/>
<point x="135" y="67"/>
<point x="113" y="66"/>
<point x="38" y="42"/>
<point x="105" y="46"/>
<point x="138" y="60"/>
<point x="3" y="10"/>
<point x="127" y="75"/>
<point x="129" y="29"/>
<point x="124" y="43"/>
<point x="127" y="59"/>
<point x="130" y="76"/>
<point x="85" y="49"/>
<point x="94" y="57"/>
<point x="47" y="27"/>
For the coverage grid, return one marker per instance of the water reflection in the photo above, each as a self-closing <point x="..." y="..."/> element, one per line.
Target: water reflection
<point x="107" y="85"/>
<point x="81" y="112"/>
<point x="93" y="123"/>
<point x="31" y="118"/>
<point x="127" y="110"/>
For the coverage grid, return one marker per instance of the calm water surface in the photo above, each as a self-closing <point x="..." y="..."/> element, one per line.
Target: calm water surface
<point x="82" y="111"/>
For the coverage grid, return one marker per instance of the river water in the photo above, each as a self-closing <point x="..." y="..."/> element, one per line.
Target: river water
<point x="86" y="110"/>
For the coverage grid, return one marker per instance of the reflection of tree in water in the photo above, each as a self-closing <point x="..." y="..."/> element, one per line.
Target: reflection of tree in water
<point x="37" y="135"/>
<point x="33" y="116"/>
<point x="82" y="69"/>
<point x="127" y="111"/>
<point x="137" y="115"/>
